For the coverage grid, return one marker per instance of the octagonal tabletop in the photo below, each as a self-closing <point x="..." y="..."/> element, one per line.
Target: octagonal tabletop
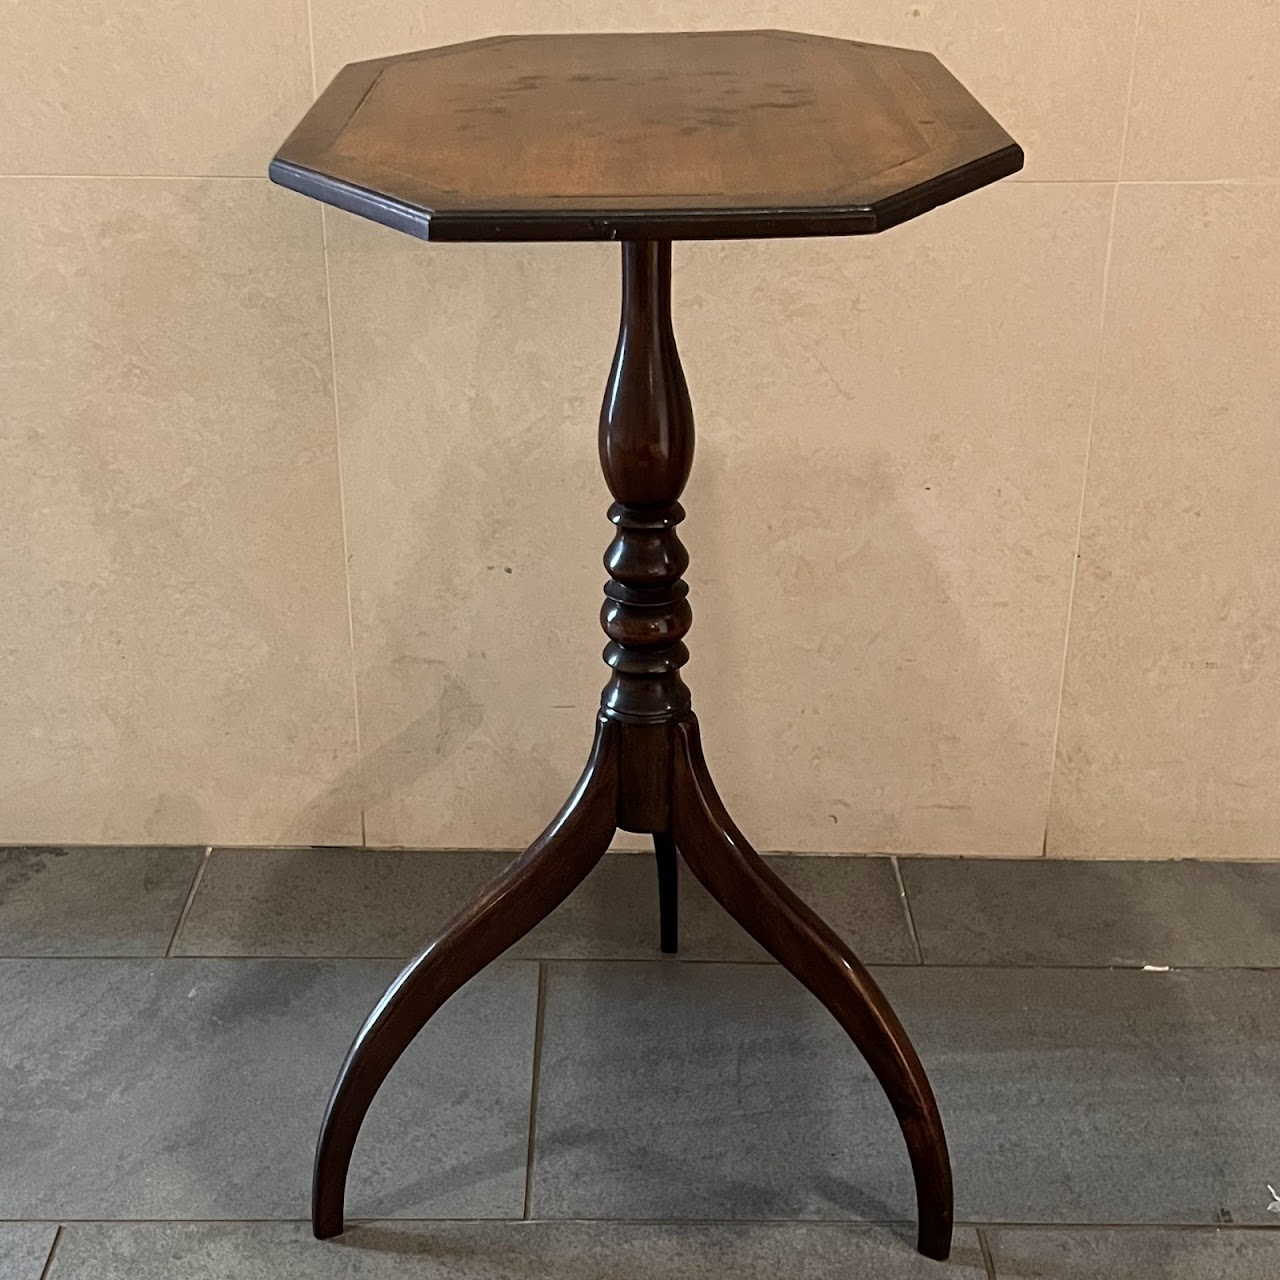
<point x="673" y="135"/>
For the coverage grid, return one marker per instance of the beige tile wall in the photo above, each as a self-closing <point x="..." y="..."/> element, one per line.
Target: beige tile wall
<point x="302" y="521"/>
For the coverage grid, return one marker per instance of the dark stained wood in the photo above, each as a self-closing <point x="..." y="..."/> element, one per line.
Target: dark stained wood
<point x="646" y="420"/>
<point x="646" y="452"/>
<point x="659" y="136"/>
<point x="664" y="848"/>
<point x="535" y="884"/>
<point x="646" y="773"/>
<point x="734" y="874"/>
<point x="645" y="138"/>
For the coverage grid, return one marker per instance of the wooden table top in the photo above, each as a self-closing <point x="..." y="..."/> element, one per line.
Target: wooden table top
<point x="673" y="135"/>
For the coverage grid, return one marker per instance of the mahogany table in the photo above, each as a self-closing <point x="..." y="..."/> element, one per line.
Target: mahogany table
<point x="644" y="139"/>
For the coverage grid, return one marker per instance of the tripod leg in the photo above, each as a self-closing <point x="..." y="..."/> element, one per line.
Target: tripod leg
<point x="552" y="867"/>
<point x="735" y="876"/>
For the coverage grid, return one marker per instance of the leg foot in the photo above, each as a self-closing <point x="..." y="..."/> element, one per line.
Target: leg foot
<point x="668" y="893"/>
<point x="736" y="877"/>
<point x="552" y="867"/>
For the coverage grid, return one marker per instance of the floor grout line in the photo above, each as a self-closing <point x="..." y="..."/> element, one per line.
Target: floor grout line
<point x="196" y="881"/>
<point x="1187" y="1228"/>
<point x="906" y="910"/>
<point x="987" y="1261"/>
<point x="539" y="1021"/>
<point x="955" y="966"/>
<point x="53" y="1249"/>
<point x="769" y="855"/>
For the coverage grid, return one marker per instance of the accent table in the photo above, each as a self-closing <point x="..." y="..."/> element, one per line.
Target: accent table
<point x="644" y="139"/>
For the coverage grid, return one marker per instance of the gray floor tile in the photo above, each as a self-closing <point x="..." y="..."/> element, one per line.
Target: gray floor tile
<point x="506" y="1251"/>
<point x="857" y="896"/>
<point x="329" y="902"/>
<point x="1129" y="1253"/>
<point x="705" y="1091"/>
<point x="615" y="913"/>
<point x="389" y="903"/>
<point x="24" y="1249"/>
<point x="1046" y="911"/>
<point x="92" y="902"/>
<point x="194" y="1089"/>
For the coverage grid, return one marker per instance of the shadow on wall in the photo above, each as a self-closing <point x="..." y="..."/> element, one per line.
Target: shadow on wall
<point x="476" y="522"/>
<point x="410" y="759"/>
<point x="852" y="697"/>
<point x="880" y="669"/>
<point x="845" y="595"/>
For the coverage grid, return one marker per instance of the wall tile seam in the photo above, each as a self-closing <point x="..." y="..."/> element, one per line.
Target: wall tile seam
<point x="1093" y="416"/>
<point x="1237" y="181"/>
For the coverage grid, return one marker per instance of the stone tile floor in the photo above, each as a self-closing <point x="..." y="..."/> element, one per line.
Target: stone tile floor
<point x="1104" y="1040"/>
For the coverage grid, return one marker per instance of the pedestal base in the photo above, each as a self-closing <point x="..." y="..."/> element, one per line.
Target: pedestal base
<point x="700" y="829"/>
<point x="646" y="773"/>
